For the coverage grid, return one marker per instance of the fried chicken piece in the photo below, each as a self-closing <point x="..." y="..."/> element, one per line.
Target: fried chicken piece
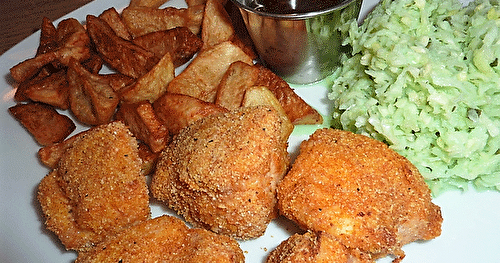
<point x="312" y="247"/>
<point x="96" y="189"/>
<point x="164" y="239"/>
<point x="221" y="172"/>
<point x="359" y="191"/>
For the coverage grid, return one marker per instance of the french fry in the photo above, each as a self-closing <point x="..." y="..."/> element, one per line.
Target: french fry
<point x="144" y="124"/>
<point x="177" y="111"/>
<point x="217" y="26"/>
<point x="122" y="55"/>
<point x="151" y="85"/>
<point x="92" y="99"/>
<point x="297" y="110"/>
<point x="234" y="83"/>
<point x="262" y="96"/>
<point x="114" y="20"/>
<point x="202" y="76"/>
<point x="147" y="3"/>
<point x="43" y="122"/>
<point x="180" y="42"/>
<point x="143" y="20"/>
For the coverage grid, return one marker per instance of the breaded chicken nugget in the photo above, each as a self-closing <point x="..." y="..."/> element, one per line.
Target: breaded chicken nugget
<point x="359" y="191"/>
<point x="221" y="172"/>
<point x="164" y="239"/>
<point x="97" y="188"/>
<point x="312" y="247"/>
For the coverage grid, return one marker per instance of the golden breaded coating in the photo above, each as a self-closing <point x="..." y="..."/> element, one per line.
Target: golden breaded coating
<point x="312" y="247"/>
<point x="359" y="191"/>
<point x="164" y="239"/>
<point x="97" y="188"/>
<point x="221" y="172"/>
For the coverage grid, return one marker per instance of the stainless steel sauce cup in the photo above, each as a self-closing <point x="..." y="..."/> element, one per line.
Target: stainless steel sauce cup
<point x="301" y="48"/>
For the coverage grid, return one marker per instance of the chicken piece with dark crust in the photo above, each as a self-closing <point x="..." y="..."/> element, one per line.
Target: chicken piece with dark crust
<point x="164" y="239"/>
<point x="97" y="188"/>
<point x="359" y="191"/>
<point x="221" y="172"/>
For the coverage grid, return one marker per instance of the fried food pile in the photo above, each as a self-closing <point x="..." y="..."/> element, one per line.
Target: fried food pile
<point x="214" y="140"/>
<point x="359" y="192"/>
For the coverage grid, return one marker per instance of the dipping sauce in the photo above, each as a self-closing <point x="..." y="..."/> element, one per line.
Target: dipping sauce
<point x="293" y="6"/>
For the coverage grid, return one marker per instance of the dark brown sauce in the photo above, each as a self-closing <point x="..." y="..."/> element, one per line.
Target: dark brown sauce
<point x="294" y="6"/>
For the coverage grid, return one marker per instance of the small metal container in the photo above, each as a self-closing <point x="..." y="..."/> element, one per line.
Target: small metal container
<point x="301" y="48"/>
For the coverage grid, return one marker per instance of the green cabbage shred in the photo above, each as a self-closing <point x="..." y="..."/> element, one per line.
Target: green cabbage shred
<point x="424" y="77"/>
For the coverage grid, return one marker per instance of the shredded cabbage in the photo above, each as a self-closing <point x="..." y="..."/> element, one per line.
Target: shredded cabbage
<point x="424" y="77"/>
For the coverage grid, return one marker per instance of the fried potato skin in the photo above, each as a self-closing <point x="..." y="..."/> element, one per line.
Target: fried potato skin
<point x="359" y="191"/>
<point x="142" y="20"/>
<point x="97" y="188"/>
<point x="164" y="239"/>
<point x="202" y="76"/>
<point x="220" y="173"/>
<point x="180" y="42"/>
<point x="122" y="55"/>
<point x="43" y="122"/>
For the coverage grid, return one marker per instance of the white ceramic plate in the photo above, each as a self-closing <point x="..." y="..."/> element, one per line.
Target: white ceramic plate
<point x="471" y="228"/>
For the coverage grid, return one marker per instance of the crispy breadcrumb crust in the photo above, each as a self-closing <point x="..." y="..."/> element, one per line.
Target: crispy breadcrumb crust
<point x="221" y="172"/>
<point x="311" y="247"/>
<point x="359" y="191"/>
<point x="97" y="188"/>
<point x="164" y="239"/>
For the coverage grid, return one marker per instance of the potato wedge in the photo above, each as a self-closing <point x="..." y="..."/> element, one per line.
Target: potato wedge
<point x="202" y="76"/>
<point x="92" y="99"/>
<point x="295" y="107"/>
<point x="144" y="124"/>
<point x="147" y="3"/>
<point x="143" y="20"/>
<point x="151" y="85"/>
<point x="180" y="42"/>
<point x="262" y="96"/>
<point x="43" y="122"/>
<point x="234" y="83"/>
<point x="114" y="20"/>
<point x="217" y="26"/>
<point x="52" y="90"/>
<point x="122" y="55"/>
<point x="177" y="111"/>
<point x="202" y="2"/>
<point x="48" y="37"/>
<point x="73" y="43"/>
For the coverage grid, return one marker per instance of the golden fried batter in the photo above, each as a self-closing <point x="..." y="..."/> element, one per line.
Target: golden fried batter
<point x="359" y="191"/>
<point x="221" y="172"/>
<point x="97" y="188"/>
<point x="164" y="239"/>
<point x="313" y="247"/>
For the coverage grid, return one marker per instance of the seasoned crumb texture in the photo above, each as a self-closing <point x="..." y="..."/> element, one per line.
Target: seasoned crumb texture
<point x="164" y="239"/>
<point x="360" y="192"/>
<point x="312" y="247"/>
<point x="96" y="189"/>
<point x="221" y="172"/>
